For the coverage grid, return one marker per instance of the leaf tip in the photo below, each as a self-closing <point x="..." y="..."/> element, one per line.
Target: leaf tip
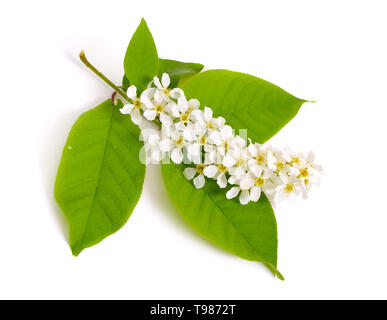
<point x="76" y="250"/>
<point x="275" y="271"/>
<point x="308" y="101"/>
<point x="143" y="21"/>
<point x="280" y="276"/>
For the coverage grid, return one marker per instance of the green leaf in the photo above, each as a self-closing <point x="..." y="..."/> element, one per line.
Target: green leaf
<point x="249" y="231"/>
<point x="100" y="176"/>
<point x="245" y="101"/>
<point x="125" y="83"/>
<point x="141" y="62"/>
<point x="179" y="72"/>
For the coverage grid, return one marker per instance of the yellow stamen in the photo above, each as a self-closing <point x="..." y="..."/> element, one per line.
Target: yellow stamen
<point x="159" y="108"/>
<point x="222" y="168"/>
<point x="240" y="162"/>
<point x="260" y="181"/>
<point x="184" y="117"/>
<point x="210" y="125"/>
<point x="289" y="188"/>
<point x="165" y="91"/>
<point x="137" y="103"/>
<point x="180" y="142"/>
<point x="260" y="159"/>
<point x="280" y="165"/>
<point x="304" y="173"/>
<point x="200" y="168"/>
<point x="202" y="140"/>
<point x="296" y="160"/>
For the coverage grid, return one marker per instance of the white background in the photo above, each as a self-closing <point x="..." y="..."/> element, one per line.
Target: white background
<point x="330" y="246"/>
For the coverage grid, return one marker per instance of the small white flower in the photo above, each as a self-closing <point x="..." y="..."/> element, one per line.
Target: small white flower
<point x="236" y="160"/>
<point x="155" y="108"/>
<point x="163" y="87"/>
<point x="153" y="152"/>
<point x="262" y="182"/>
<point x="198" y="145"/>
<point x="133" y="108"/>
<point x="245" y="183"/>
<point x="276" y="161"/>
<point x="181" y="113"/>
<point x="190" y="173"/>
<point x="193" y="104"/>
<point x="289" y="189"/>
<point x="173" y="143"/>
<point x="217" y="172"/>
<point x="205" y="119"/>
<point x="244" y="197"/>
<point x="258" y="153"/>
<point x="223" y="139"/>
<point x="309" y="159"/>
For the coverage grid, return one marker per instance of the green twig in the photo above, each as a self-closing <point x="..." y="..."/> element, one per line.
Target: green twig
<point x="83" y="58"/>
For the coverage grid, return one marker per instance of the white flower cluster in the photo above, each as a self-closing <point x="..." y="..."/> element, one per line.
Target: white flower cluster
<point x="211" y="149"/>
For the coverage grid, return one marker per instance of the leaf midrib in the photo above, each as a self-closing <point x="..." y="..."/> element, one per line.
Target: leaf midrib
<point x="98" y="179"/>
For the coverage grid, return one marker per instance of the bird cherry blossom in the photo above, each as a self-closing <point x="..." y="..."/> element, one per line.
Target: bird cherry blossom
<point x="212" y="151"/>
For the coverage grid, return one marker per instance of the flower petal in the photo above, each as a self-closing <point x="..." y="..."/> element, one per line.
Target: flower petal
<point x="126" y="108"/>
<point x="253" y="150"/>
<point x="284" y="177"/>
<point x="255" y="193"/>
<point x="157" y="83"/>
<point x="194" y="103"/>
<point x="165" y="81"/>
<point x="132" y="92"/>
<point x="193" y="149"/>
<point x="180" y="125"/>
<point x="196" y="115"/>
<point x="177" y="155"/>
<point x="189" y="173"/>
<point x="199" y="181"/>
<point x="153" y="139"/>
<point x="220" y="121"/>
<point x="165" y="145"/>
<point x="159" y="97"/>
<point x="255" y="169"/>
<point x="207" y="114"/>
<point x="165" y="119"/>
<point x="136" y="116"/>
<point x="232" y="193"/>
<point x="233" y="180"/>
<point x="215" y="138"/>
<point x="183" y="104"/>
<point x="210" y="171"/>
<point x="176" y="93"/>
<point x="244" y="198"/>
<point x="221" y="181"/>
<point x="228" y="161"/>
<point x="189" y="134"/>
<point x="173" y="109"/>
<point x="150" y="114"/>
<point x="246" y="183"/>
<point x="147" y="102"/>
<point x="148" y="93"/>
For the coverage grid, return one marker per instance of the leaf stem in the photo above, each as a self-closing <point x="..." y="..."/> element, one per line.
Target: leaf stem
<point x="83" y="58"/>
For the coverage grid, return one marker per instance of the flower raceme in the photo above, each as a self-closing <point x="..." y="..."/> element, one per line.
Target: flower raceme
<point x="211" y="149"/>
